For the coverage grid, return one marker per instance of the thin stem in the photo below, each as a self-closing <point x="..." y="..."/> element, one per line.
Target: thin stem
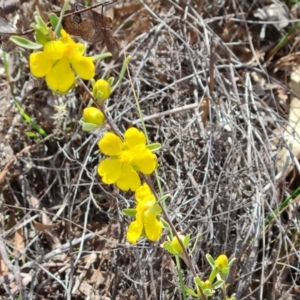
<point x="62" y="13"/>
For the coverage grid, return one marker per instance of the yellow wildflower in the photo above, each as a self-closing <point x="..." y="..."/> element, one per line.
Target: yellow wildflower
<point x="146" y="222"/>
<point x="93" y="115"/>
<point x="127" y="158"/>
<point x="101" y="89"/>
<point x="59" y="61"/>
<point x="222" y="263"/>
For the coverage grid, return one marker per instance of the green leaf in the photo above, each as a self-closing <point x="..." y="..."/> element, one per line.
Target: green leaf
<point x="40" y="37"/>
<point x="163" y="198"/>
<point x="31" y="134"/>
<point x="129" y="212"/>
<point x="22" y="42"/>
<point x="53" y="18"/>
<point x="92" y="81"/>
<point x="167" y="246"/>
<point x="28" y="119"/>
<point x="40" y="22"/>
<point x="191" y="292"/>
<point x="121" y="74"/>
<point x="186" y="241"/>
<point x="165" y="224"/>
<point x="197" y="281"/>
<point x="218" y="284"/>
<point x="210" y="260"/>
<point x="155" y="209"/>
<point x="208" y="293"/>
<point x="111" y="80"/>
<point x="101" y="56"/>
<point x="231" y="262"/>
<point x="89" y="126"/>
<point x="154" y="147"/>
<point x="213" y="274"/>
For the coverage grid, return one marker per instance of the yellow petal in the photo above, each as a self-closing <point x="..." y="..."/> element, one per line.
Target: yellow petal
<point x="110" y="144"/>
<point x="175" y="243"/>
<point x="93" y="115"/>
<point x="101" y="89"/>
<point x="222" y="262"/>
<point x="109" y="170"/>
<point x="145" y="161"/>
<point x="129" y="179"/>
<point x="66" y="38"/>
<point x="134" y="232"/>
<point x="134" y="139"/>
<point x="40" y="64"/>
<point x="55" y="49"/>
<point x="72" y="47"/>
<point x="143" y="193"/>
<point x="61" y="77"/>
<point x="84" y="67"/>
<point x="153" y="227"/>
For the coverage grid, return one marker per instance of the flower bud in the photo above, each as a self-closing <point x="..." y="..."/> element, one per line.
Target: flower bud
<point x="41" y="38"/>
<point x="93" y="115"/>
<point x="222" y="263"/>
<point x="101" y="90"/>
<point x="176" y="245"/>
<point x="206" y="285"/>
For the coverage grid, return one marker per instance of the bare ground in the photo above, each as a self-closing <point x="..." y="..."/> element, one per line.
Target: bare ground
<point x="215" y="94"/>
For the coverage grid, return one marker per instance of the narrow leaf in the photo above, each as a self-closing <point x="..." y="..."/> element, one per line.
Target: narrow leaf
<point x="129" y="212"/>
<point x="167" y="246"/>
<point x="218" y="284"/>
<point x="89" y="127"/>
<point x="197" y="281"/>
<point x="154" y="147"/>
<point x="191" y="292"/>
<point x="102" y="56"/>
<point x="22" y="42"/>
<point x="53" y="18"/>
<point x="163" y="198"/>
<point x="39" y="21"/>
<point x="210" y="260"/>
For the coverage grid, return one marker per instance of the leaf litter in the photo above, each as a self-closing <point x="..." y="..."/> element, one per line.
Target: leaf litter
<point x="217" y="97"/>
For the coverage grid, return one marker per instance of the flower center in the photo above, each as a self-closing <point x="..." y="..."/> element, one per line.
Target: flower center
<point x="126" y="157"/>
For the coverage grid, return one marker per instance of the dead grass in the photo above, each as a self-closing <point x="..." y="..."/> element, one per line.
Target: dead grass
<point x="217" y="102"/>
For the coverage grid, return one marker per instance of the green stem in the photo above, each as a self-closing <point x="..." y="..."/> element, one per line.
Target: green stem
<point x="62" y="13"/>
<point x="283" y="205"/>
<point x="124" y="67"/>
<point x="179" y="271"/>
<point x="21" y="111"/>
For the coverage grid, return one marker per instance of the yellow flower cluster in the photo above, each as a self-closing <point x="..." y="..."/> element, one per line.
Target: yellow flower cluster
<point x="146" y="220"/>
<point x="59" y="61"/>
<point x="127" y="158"/>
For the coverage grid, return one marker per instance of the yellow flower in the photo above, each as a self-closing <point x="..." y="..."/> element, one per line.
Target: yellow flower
<point x="146" y="222"/>
<point x="222" y="263"/>
<point x="176" y="245"/>
<point x="101" y="90"/>
<point x="58" y="62"/>
<point x="206" y="285"/>
<point x="93" y="115"/>
<point x="127" y="158"/>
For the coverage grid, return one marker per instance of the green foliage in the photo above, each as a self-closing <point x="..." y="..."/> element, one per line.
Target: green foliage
<point x="24" y="43"/>
<point x="154" y="147"/>
<point x="129" y="212"/>
<point x="54" y="20"/>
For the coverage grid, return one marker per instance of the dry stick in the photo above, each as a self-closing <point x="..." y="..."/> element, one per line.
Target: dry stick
<point x="100" y="106"/>
<point x="14" y="269"/>
<point x="186" y="255"/>
<point x="29" y="31"/>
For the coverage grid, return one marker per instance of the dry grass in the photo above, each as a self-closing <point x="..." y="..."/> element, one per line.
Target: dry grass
<point x="216" y="101"/>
